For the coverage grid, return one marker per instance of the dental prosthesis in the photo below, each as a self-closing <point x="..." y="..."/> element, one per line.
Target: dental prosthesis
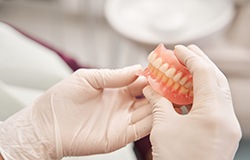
<point x="169" y="77"/>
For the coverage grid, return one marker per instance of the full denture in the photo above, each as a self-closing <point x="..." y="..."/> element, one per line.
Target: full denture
<point x="169" y="77"/>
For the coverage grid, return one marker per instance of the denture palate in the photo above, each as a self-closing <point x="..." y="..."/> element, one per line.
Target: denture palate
<point x="169" y="76"/>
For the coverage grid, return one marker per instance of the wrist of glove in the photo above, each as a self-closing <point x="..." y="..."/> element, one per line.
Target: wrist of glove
<point x="25" y="136"/>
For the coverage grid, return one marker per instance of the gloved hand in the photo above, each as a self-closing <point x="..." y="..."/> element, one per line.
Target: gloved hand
<point x="92" y="111"/>
<point x="210" y="131"/>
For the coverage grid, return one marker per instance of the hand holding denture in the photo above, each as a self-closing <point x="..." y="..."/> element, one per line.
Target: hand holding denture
<point x="92" y="111"/>
<point x="169" y="77"/>
<point x="210" y="131"/>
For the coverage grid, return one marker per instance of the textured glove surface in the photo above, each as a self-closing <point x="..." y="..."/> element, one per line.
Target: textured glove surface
<point x="92" y="111"/>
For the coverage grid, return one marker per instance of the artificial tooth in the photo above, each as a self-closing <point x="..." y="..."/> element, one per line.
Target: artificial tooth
<point x="151" y="57"/>
<point x="159" y="75"/>
<point x="183" y="80"/>
<point x="150" y="67"/>
<point x="164" y="67"/>
<point x="155" y="71"/>
<point x="176" y="86"/>
<point x="170" y="82"/>
<point x="164" y="79"/>
<point x="170" y="72"/>
<point x="177" y="77"/>
<point x="183" y="90"/>
<point x="188" y="85"/>
<point x="157" y="63"/>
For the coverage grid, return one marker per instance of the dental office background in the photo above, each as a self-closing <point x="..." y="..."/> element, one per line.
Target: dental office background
<point x="114" y="34"/>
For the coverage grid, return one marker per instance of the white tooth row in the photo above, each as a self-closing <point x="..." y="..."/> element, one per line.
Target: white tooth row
<point x="151" y="57"/>
<point x="169" y="72"/>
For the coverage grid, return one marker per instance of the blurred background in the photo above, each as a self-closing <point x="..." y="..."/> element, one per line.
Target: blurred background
<point x="39" y="37"/>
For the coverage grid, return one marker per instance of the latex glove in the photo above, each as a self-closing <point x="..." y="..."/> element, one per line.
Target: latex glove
<point x="92" y="111"/>
<point x="210" y="131"/>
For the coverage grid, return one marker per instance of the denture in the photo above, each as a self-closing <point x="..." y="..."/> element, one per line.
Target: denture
<point x="168" y="76"/>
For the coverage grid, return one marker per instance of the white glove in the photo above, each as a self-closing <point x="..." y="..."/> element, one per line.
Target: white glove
<point x="210" y="131"/>
<point x="93" y="111"/>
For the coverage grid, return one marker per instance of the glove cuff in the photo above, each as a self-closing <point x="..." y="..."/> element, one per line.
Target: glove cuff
<point x="19" y="139"/>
